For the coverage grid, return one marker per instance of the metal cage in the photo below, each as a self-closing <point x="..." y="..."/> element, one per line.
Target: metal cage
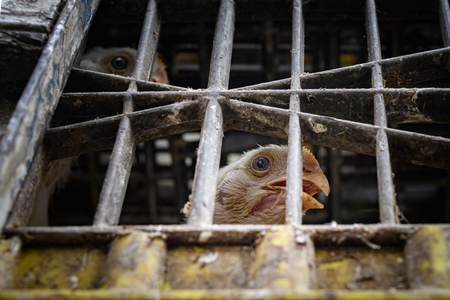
<point x="365" y="83"/>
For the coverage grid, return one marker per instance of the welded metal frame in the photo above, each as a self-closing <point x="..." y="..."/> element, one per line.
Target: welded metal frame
<point x="345" y="108"/>
<point x="148" y="111"/>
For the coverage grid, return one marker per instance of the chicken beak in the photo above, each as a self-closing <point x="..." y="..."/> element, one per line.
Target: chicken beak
<point x="314" y="182"/>
<point x="308" y="202"/>
<point x="318" y="179"/>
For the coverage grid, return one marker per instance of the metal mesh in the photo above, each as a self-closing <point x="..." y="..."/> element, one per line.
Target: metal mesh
<point x="364" y="80"/>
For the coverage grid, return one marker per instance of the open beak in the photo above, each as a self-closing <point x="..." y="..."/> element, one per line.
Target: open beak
<point x="313" y="182"/>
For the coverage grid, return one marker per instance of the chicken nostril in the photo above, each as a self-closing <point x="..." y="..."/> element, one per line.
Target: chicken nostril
<point x="306" y="171"/>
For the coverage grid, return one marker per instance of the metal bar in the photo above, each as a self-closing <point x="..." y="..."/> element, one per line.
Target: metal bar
<point x="329" y="132"/>
<point x="23" y="206"/>
<point x="386" y="193"/>
<point x="325" y="101"/>
<point x="147" y="43"/>
<point x="117" y="175"/>
<point x="270" y="59"/>
<point x="355" y="76"/>
<point x="95" y="136"/>
<point x="335" y="155"/>
<point x="178" y="151"/>
<point x="294" y="167"/>
<point x="444" y="18"/>
<point x="206" y="170"/>
<point x="151" y="177"/>
<point x="219" y="72"/>
<point x="336" y="184"/>
<point x="186" y="116"/>
<point x="229" y="234"/>
<point x="39" y="99"/>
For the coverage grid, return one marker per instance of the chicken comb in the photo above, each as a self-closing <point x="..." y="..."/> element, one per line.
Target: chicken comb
<point x="309" y="157"/>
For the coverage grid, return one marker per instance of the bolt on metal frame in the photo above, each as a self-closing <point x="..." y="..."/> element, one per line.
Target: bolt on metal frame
<point x="261" y="107"/>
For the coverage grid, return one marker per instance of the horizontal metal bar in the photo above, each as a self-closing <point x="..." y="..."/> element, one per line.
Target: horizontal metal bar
<point x="337" y="133"/>
<point x="226" y="294"/>
<point x="323" y="235"/>
<point x="81" y="80"/>
<point x="426" y="105"/>
<point x="27" y="125"/>
<point x="98" y="135"/>
<point x="400" y="71"/>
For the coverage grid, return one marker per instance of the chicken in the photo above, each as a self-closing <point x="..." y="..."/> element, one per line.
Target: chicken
<point x="118" y="61"/>
<point x="252" y="190"/>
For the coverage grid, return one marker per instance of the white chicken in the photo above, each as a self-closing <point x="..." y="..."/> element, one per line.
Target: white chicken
<point x="252" y="190"/>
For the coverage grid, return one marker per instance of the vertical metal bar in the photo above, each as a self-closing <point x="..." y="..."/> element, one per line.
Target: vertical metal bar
<point x="119" y="168"/>
<point x="151" y="184"/>
<point x="118" y="173"/>
<point x="444" y="18"/>
<point x="115" y="184"/>
<point x="336" y="185"/>
<point x="204" y="50"/>
<point x="206" y="170"/>
<point x="177" y="150"/>
<point x="147" y="43"/>
<point x="295" y="166"/>
<point x="270" y="62"/>
<point x="219" y="71"/>
<point x="39" y="99"/>
<point x="335" y="155"/>
<point x="386" y="195"/>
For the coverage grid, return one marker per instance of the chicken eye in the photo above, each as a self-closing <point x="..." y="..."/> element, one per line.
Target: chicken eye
<point x="119" y="63"/>
<point x="261" y="163"/>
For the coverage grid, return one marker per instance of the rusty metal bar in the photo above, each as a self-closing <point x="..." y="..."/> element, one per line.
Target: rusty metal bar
<point x="206" y="170"/>
<point x="39" y="99"/>
<point x="294" y="167"/>
<point x="386" y="193"/>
